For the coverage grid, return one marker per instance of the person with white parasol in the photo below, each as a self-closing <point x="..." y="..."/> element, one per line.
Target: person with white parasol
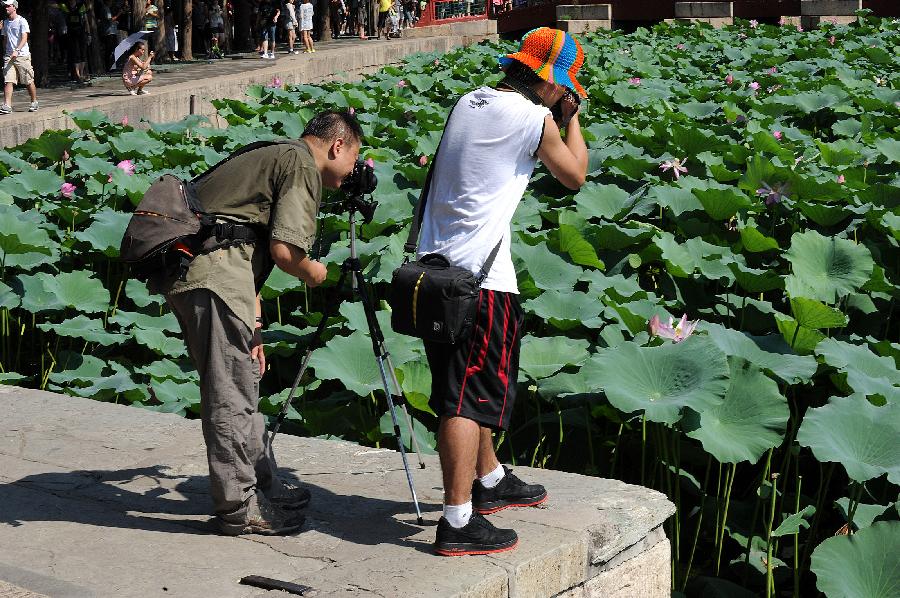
<point x="136" y="73"/>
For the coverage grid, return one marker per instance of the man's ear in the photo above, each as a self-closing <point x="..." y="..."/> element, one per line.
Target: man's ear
<point x="336" y="148"/>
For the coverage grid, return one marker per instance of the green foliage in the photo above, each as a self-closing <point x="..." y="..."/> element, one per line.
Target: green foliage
<point x="784" y="249"/>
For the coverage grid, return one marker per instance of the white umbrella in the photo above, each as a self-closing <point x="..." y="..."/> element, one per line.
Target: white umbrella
<point x="126" y="44"/>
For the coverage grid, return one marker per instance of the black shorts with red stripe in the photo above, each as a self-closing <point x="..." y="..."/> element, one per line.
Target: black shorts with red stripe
<point x="477" y="379"/>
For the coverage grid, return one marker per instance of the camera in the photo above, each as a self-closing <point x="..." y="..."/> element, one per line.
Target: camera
<point x="557" y="109"/>
<point x="360" y="182"/>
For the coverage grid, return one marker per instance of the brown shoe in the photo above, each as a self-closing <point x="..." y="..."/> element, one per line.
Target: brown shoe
<point x="264" y="518"/>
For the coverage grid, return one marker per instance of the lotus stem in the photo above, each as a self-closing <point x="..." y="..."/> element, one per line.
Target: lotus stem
<point x="762" y="481"/>
<point x="615" y="452"/>
<point x="769" y="536"/>
<point x="824" y="484"/>
<point x="856" y="497"/>
<point x="797" y="540"/>
<point x="590" y="439"/>
<point x="643" y="444"/>
<point x="729" y="484"/>
<point x="278" y="307"/>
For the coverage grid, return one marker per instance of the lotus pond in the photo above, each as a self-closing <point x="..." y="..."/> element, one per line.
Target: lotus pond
<point x="746" y="177"/>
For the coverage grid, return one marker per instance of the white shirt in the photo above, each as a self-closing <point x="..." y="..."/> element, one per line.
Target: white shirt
<point x="13" y="31"/>
<point x="306" y="16"/>
<point x="484" y="164"/>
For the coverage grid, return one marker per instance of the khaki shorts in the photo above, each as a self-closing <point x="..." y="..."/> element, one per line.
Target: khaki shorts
<point x="18" y="70"/>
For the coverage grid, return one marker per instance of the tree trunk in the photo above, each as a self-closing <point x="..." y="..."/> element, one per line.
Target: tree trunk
<point x="38" y="43"/>
<point x="162" y="49"/>
<point x="95" y="63"/>
<point x="187" y="25"/>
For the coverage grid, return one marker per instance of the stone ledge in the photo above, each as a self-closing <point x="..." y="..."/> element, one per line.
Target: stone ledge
<point x="172" y="102"/>
<point x="821" y="8"/>
<point x="104" y="499"/>
<point x="584" y="12"/>
<point x="714" y="21"/>
<point x="703" y="10"/>
<point x="579" y="26"/>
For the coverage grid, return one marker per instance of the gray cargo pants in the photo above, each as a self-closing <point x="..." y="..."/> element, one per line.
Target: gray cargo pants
<point x="237" y="445"/>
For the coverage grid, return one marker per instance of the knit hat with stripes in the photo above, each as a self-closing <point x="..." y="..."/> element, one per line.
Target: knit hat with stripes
<point x="554" y="55"/>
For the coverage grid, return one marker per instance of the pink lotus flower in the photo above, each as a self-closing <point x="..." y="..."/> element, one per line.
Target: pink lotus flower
<point x="437" y="62"/>
<point x="773" y="194"/>
<point x="67" y="189"/>
<point x="351" y="111"/>
<point x="423" y="160"/>
<point x="680" y="46"/>
<point x="773" y="70"/>
<point x="401" y="83"/>
<point x="841" y="180"/>
<point x="777" y="135"/>
<point x="675" y="332"/>
<point x="729" y="79"/>
<point x="754" y="86"/>
<point x="754" y="23"/>
<point x="782" y="21"/>
<point x="831" y="40"/>
<point x="634" y="81"/>
<point x="125" y="121"/>
<point x="370" y="162"/>
<point x="126" y="166"/>
<point x="799" y="27"/>
<point x="675" y="165"/>
<point x="65" y="156"/>
<point x="276" y="83"/>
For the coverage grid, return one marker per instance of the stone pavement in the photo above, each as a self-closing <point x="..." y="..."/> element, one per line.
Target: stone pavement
<point x="98" y="499"/>
<point x="182" y="89"/>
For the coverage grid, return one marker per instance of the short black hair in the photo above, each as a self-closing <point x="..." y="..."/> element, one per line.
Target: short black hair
<point x="522" y="74"/>
<point x="330" y="125"/>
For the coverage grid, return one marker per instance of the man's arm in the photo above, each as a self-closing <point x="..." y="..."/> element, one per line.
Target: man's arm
<point x="256" y="349"/>
<point x="22" y="43"/>
<point x="567" y="160"/>
<point x="295" y="262"/>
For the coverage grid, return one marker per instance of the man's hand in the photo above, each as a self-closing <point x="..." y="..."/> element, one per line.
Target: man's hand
<point x="295" y="262"/>
<point x="256" y="350"/>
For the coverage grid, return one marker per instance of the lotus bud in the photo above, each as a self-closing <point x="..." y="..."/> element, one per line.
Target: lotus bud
<point x="370" y="162"/>
<point x="841" y="180"/>
<point x="634" y="81"/>
<point x="777" y="135"/>
<point x="126" y="166"/>
<point x="401" y="83"/>
<point x="423" y="160"/>
<point x="125" y="121"/>
<point x="729" y="79"/>
<point x="67" y="189"/>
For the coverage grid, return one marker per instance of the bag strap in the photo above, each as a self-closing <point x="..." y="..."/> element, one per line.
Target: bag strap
<point x="488" y="263"/>
<point x="412" y="241"/>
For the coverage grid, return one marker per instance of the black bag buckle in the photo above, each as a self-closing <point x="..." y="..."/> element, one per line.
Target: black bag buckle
<point x="224" y="231"/>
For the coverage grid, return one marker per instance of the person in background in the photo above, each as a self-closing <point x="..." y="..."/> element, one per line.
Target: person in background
<point x="362" y="17"/>
<point x="57" y="33"/>
<point x="151" y="23"/>
<point x="289" y="17"/>
<point x="268" y="19"/>
<point x="136" y="73"/>
<point x="409" y="14"/>
<point x="306" y="26"/>
<point x="76" y="35"/>
<point x="336" y="11"/>
<point x="109" y="29"/>
<point x="384" y="7"/>
<point x="171" y="34"/>
<point x="215" y="51"/>
<point x="200" y="29"/>
<point x="216" y="25"/>
<point x="17" y="67"/>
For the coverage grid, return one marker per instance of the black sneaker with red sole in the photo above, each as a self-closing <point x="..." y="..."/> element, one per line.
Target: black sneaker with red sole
<point x="479" y="536"/>
<point x="510" y="492"/>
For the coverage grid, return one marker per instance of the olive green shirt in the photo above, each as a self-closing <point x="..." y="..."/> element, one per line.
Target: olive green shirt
<point x="277" y="186"/>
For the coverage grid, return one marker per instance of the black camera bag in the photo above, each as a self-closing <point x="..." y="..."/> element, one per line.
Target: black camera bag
<point x="429" y="298"/>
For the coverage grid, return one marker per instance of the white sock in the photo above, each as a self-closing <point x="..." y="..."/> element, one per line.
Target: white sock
<point x="458" y="515"/>
<point x="493" y="478"/>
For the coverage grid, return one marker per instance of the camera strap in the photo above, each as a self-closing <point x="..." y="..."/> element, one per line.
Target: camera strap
<point x="412" y="242"/>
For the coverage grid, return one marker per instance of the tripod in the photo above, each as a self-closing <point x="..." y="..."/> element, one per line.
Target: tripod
<point x="353" y="268"/>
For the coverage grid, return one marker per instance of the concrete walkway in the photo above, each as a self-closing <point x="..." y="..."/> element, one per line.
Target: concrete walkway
<point x="179" y="90"/>
<point x="99" y="499"/>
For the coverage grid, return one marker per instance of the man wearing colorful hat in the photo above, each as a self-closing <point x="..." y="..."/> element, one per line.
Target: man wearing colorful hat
<point x="491" y="144"/>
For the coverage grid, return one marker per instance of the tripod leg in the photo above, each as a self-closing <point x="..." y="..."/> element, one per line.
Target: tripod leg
<point x="409" y="421"/>
<point x="393" y="411"/>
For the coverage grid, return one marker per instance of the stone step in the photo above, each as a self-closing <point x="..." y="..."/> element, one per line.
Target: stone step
<point x="823" y="8"/>
<point x="110" y="500"/>
<point x="580" y="26"/>
<point x="584" y="12"/>
<point x="714" y="21"/>
<point x="704" y="10"/>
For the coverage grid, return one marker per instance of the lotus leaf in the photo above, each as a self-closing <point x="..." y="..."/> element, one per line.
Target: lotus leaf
<point x="77" y="367"/>
<point x="542" y="357"/>
<point x="168" y="369"/>
<point x="67" y="289"/>
<point x="31" y="183"/>
<point x="348" y="359"/>
<point x="866" y="372"/>
<point x="864" y="516"/>
<point x="12" y="378"/>
<point x="106" y="231"/>
<point x="21" y="233"/>
<point x="793" y="369"/>
<point x="139" y="295"/>
<point x="794" y="523"/>
<point x="565" y="311"/>
<point x="751" y="419"/>
<point x="660" y="381"/>
<point x="159" y="341"/>
<point x="826" y="268"/>
<point x="85" y="328"/>
<point x="863" y="565"/>
<point x="546" y="269"/>
<point x="856" y="434"/>
<point x="425" y="438"/>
